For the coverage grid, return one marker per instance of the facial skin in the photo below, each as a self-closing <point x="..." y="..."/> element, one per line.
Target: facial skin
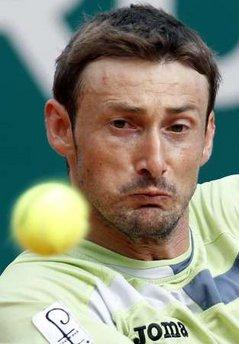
<point x="139" y="140"/>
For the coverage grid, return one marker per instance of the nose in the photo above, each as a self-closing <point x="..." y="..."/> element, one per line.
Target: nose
<point x="151" y="155"/>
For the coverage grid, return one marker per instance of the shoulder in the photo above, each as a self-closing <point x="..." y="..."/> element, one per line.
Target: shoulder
<point x="214" y="207"/>
<point x="223" y="185"/>
<point x="31" y="284"/>
<point x="38" y="278"/>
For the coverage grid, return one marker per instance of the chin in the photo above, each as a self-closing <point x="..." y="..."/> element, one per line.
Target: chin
<point x="148" y="223"/>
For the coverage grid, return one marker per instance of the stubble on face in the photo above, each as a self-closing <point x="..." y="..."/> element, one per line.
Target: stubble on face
<point x="109" y="187"/>
<point x="146" y="222"/>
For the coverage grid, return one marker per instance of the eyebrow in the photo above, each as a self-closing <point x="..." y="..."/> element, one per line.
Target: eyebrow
<point x="124" y="107"/>
<point x="128" y="108"/>
<point x="180" y="109"/>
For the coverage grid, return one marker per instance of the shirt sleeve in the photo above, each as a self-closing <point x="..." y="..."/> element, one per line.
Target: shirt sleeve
<point x="27" y="291"/>
<point x="215" y="207"/>
<point x="17" y="328"/>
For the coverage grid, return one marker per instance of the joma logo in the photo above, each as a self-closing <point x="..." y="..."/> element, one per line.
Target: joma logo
<point x="154" y="331"/>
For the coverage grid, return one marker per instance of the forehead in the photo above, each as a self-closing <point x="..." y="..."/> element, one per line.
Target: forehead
<point x="139" y="81"/>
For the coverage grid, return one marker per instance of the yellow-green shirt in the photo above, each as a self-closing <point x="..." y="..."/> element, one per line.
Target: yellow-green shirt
<point x="93" y="295"/>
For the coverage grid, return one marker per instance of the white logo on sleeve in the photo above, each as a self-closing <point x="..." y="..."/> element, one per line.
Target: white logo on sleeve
<point x="58" y="326"/>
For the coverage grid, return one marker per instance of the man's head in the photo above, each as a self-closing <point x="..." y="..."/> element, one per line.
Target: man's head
<point x="134" y="93"/>
<point x="135" y="32"/>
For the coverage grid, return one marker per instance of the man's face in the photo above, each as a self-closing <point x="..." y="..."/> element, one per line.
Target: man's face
<point x="140" y="139"/>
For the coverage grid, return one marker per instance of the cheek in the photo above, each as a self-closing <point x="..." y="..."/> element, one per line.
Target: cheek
<point x="185" y="172"/>
<point x="188" y="159"/>
<point x="103" y="165"/>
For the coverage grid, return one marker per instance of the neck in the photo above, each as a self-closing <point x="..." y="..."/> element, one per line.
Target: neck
<point x="141" y="248"/>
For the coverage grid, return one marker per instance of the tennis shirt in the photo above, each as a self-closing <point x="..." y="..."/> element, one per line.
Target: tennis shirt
<point x="93" y="295"/>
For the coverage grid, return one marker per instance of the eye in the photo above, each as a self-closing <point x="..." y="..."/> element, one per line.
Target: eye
<point x="178" y="128"/>
<point x="120" y="123"/>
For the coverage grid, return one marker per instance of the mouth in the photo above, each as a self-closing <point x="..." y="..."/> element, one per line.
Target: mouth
<point x="151" y="199"/>
<point x="148" y="206"/>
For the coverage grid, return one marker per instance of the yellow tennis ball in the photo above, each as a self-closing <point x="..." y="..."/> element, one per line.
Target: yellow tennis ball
<point x="50" y="218"/>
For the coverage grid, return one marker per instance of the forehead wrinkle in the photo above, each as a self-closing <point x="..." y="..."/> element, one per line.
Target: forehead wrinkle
<point x="106" y="75"/>
<point x="109" y="75"/>
<point x="123" y="87"/>
<point x="123" y="106"/>
<point x="106" y="80"/>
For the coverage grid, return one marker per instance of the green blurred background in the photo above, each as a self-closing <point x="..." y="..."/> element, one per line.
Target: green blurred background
<point x="32" y="34"/>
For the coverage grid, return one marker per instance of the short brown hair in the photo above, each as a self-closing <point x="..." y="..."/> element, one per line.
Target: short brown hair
<point x="138" y="31"/>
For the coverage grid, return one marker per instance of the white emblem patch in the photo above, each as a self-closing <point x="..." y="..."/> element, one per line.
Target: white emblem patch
<point x="59" y="326"/>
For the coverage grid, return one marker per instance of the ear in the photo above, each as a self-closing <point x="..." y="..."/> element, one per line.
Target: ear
<point x="208" y="141"/>
<point x="59" y="129"/>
